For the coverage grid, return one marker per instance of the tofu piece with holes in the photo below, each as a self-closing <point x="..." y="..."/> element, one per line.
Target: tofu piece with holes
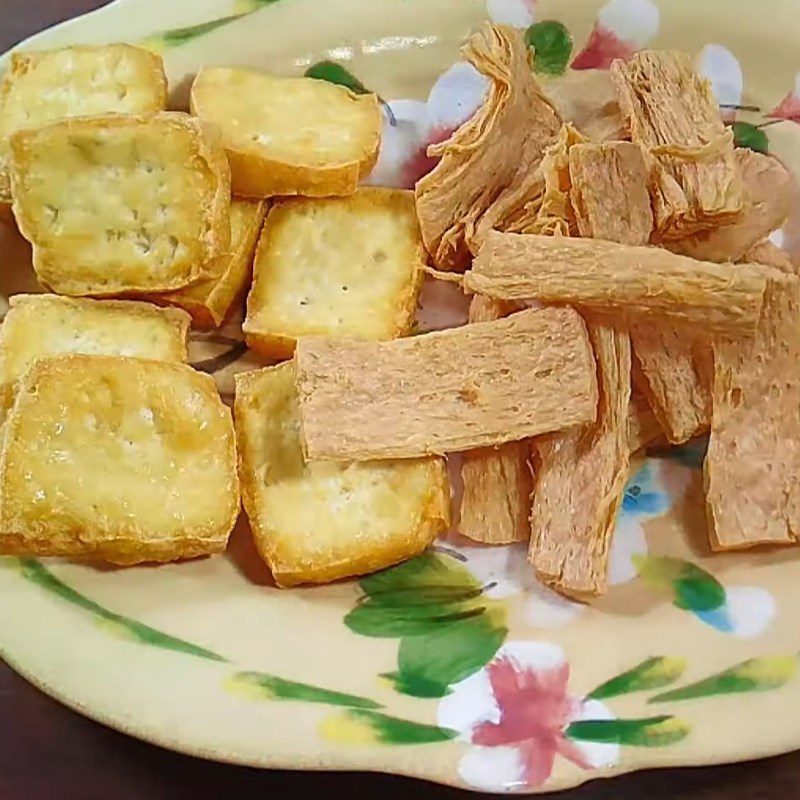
<point x="209" y="301"/>
<point x="289" y="136"/>
<point x="316" y="522"/>
<point x="46" y="86"/>
<point x="121" y="204"/>
<point x="338" y="267"/>
<point x="44" y="325"/>
<point x="120" y="459"/>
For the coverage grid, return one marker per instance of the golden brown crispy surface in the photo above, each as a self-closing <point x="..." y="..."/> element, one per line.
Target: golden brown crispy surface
<point x="475" y="386"/>
<point x="753" y="461"/>
<point x="667" y="371"/>
<point x="496" y="497"/>
<point x="42" y="87"/>
<point x="643" y="282"/>
<point x="587" y="98"/>
<point x="349" y="266"/>
<point x="772" y="256"/>
<point x="609" y="194"/>
<point x="121" y="459"/>
<point x="671" y="112"/>
<point x="488" y="174"/>
<point x="121" y="204"/>
<point x="289" y="136"/>
<point x="209" y="301"/>
<point x="317" y="522"/>
<point x="579" y="480"/>
<point x="767" y="193"/>
<point x="42" y="325"/>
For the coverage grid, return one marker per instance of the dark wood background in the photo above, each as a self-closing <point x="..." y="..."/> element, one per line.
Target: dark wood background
<point x="50" y="753"/>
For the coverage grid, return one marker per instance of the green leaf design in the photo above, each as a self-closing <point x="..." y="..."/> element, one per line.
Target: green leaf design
<point x="552" y="46"/>
<point x="425" y="573"/>
<point x="260" y="686"/>
<point x="335" y="73"/>
<point x="747" y="135"/>
<point x="653" y="673"/>
<point x="371" y="727"/>
<point x="692" y="588"/>
<point x="648" y="732"/>
<point x="376" y="619"/>
<point x="175" y="37"/>
<point x="428" y="664"/>
<point x="755" y="675"/>
<point x="123" y="627"/>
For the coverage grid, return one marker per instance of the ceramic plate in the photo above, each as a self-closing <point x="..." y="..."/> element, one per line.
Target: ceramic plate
<point x="455" y="666"/>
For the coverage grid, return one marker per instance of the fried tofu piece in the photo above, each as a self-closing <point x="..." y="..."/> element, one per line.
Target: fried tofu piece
<point x="479" y="385"/>
<point x="608" y="192"/>
<point x="667" y="370"/>
<point x="317" y="522"/>
<point x="580" y="478"/>
<point x="43" y="87"/>
<point x="44" y="325"/>
<point x="772" y="256"/>
<point x="121" y="204"/>
<point x="496" y="497"/>
<point x="639" y="282"/>
<point x="488" y="176"/>
<point x="209" y="301"/>
<point x="753" y="460"/>
<point x="767" y="196"/>
<point x="289" y="136"/>
<point x="121" y="459"/>
<point x="672" y="113"/>
<point x="338" y="267"/>
<point x="587" y="98"/>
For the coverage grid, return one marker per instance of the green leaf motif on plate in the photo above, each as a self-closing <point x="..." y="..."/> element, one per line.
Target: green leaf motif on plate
<point x="332" y="72"/>
<point x="747" y="135"/>
<point x="552" y="46"/>
<point x="428" y="664"/>
<point x="175" y="37"/>
<point x="448" y="628"/>
<point x="120" y="626"/>
<point x="261" y="686"/>
<point x="692" y="588"/>
<point x="653" y="673"/>
<point x="648" y="732"/>
<point x="754" y="675"/>
<point x="371" y="727"/>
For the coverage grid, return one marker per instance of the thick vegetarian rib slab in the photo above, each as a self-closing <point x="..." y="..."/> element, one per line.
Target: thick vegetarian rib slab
<point x="496" y="497"/>
<point x="580" y="479"/>
<point x="752" y="469"/>
<point x="475" y="386"/>
<point x="644" y="282"/>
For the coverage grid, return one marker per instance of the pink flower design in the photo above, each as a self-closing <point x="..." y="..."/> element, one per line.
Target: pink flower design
<point x="515" y="712"/>
<point x="622" y="27"/>
<point x="789" y="107"/>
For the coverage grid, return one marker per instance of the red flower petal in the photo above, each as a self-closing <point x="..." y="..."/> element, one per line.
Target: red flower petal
<point x="602" y="48"/>
<point x="789" y="108"/>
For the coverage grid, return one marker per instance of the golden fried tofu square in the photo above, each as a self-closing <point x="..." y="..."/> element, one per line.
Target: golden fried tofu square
<point x="116" y="458"/>
<point x="46" y="86"/>
<point x="209" y="301"/>
<point x="289" y="136"/>
<point x="338" y="267"/>
<point x="44" y="325"/>
<point x="121" y="204"/>
<point x="316" y="522"/>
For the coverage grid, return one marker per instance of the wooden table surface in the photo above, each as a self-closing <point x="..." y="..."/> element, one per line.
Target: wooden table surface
<point x="50" y="753"/>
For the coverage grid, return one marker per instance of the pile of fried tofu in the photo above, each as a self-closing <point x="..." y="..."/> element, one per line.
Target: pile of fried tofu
<point x="623" y="291"/>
